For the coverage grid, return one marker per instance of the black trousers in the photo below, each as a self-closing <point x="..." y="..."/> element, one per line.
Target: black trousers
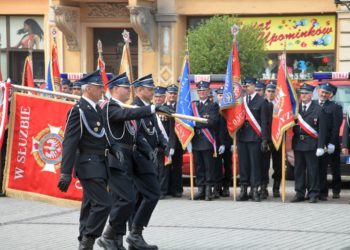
<point x="250" y="163"/>
<point x="277" y="164"/>
<point x="218" y="175"/>
<point x="306" y="173"/>
<point x="323" y="162"/>
<point x="265" y="167"/>
<point x="175" y="171"/>
<point x="163" y="173"/>
<point x="334" y="161"/>
<point x="227" y="163"/>
<point x="205" y="167"/>
<point x="140" y="176"/>
<point x="95" y="207"/>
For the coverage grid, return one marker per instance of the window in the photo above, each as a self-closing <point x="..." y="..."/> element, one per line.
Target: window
<point x="19" y="34"/>
<point x="300" y="65"/>
<point x="112" y="42"/>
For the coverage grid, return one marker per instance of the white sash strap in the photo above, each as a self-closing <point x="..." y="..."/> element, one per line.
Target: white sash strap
<point x="251" y="119"/>
<point x="307" y="128"/>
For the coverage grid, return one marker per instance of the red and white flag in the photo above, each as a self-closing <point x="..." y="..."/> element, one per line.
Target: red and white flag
<point x="283" y="116"/>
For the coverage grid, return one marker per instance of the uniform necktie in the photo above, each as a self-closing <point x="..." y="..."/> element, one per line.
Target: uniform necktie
<point x="249" y="99"/>
<point x="304" y="109"/>
<point x="321" y="104"/>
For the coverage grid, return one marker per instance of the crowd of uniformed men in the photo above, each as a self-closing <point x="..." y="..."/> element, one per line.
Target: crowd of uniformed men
<point x="125" y="148"/>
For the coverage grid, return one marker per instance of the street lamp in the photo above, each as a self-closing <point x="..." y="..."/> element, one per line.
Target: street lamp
<point x="343" y="2"/>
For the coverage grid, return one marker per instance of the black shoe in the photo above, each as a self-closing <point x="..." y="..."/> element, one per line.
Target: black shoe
<point x="162" y="197"/>
<point x="256" y="195"/>
<point x="297" y="199"/>
<point x="216" y="191"/>
<point x="264" y="193"/>
<point x="336" y="196"/>
<point x="107" y="244"/>
<point x="200" y="194"/>
<point x="276" y="193"/>
<point x="313" y="200"/>
<point x="136" y="240"/>
<point x="323" y="198"/>
<point x="208" y="193"/>
<point x="225" y="192"/>
<point x="86" y="243"/>
<point x="177" y="195"/>
<point x="243" y="196"/>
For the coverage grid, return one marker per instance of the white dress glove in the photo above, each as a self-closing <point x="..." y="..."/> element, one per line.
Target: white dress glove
<point x="330" y="148"/>
<point x="221" y="149"/>
<point x="171" y="152"/>
<point x="319" y="152"/>
<point x="189" y="148"/>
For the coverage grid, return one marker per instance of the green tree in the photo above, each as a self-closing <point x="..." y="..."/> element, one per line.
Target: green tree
<point x="210" y="44"/>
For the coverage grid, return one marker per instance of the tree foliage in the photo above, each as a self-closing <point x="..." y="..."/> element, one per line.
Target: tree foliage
<point x="210" y="44"/>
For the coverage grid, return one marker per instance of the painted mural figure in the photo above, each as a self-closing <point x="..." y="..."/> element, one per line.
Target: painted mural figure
<point x="33" y="34"/>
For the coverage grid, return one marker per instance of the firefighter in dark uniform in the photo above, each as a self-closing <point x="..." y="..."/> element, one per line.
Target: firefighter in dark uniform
<point x="276" y="155"/>
<point x="266" y="156"/>
<point x="224" y="151"/>
<point x="86" y="134"/>
<point x="346" y="136"/>
<point x="252" y="142"/>
<point x="332" y="136"/>
<point x="174" y="149"/>
<point x="122" y="127"/>
<point x="260" y="88"/>
<point x="334" y="159"/>
<point x="308" y="145"/>
<point x="162" y="170"/>
<point x="204" y="142"/>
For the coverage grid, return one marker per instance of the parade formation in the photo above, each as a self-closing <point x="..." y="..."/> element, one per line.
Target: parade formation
<point x="119" y="145"/>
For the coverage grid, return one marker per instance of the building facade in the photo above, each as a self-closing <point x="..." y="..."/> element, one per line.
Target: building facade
<point x="317" y="32"/>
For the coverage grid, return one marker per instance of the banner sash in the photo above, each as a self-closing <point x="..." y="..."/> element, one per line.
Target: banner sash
<point x="307" y="128"/>
<point x="205" y="131"/>
<point x="251" y="119"/>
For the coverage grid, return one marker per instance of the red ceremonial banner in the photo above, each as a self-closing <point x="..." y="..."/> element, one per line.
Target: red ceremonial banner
<point x="34" y="155"/>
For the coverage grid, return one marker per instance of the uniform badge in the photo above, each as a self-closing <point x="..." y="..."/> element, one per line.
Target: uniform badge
<point x="150" y="123"/>
<point x="98" y="124"/>
<point x="89" y="107"/>
<point x="315" y="121"/>
<point x="95" y="129"/>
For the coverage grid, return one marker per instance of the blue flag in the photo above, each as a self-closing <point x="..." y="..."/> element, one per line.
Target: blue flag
<point x="228" y="99"/>
<point x="49" y="82"/>
<point x="184" y="128"/>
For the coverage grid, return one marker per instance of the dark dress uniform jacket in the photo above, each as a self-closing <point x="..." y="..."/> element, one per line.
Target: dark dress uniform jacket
<point x="77" y="137"/>
<point x="209" y="110"/>
<point x="121" y="129"/>
<point x="170" y="129"/>
<point x="149" y="128"/>
<point x="334" y="115"/>
<point x="259" y="108"/>
<point x="224" y="136"/>
<point x="346" y="133"/>
<point x="315" y="117"/>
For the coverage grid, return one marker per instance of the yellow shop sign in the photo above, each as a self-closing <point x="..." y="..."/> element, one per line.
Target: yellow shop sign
<point x="299" y="32"/>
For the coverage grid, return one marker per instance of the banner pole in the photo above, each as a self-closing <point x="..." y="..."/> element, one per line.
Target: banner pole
<point x="234" y="166"/>
<point x="283" y="168"/>
<point x="191" y="176"/>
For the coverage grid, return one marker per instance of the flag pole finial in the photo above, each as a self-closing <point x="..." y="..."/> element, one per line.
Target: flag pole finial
<point x="126" y="36"/>
<point x="54" y="34"/>
<point x="99" y="47"/>
<point x="234" y="29"/>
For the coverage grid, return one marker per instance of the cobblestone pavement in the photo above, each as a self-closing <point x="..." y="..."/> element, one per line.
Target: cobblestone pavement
<point x="184" y="224"/>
